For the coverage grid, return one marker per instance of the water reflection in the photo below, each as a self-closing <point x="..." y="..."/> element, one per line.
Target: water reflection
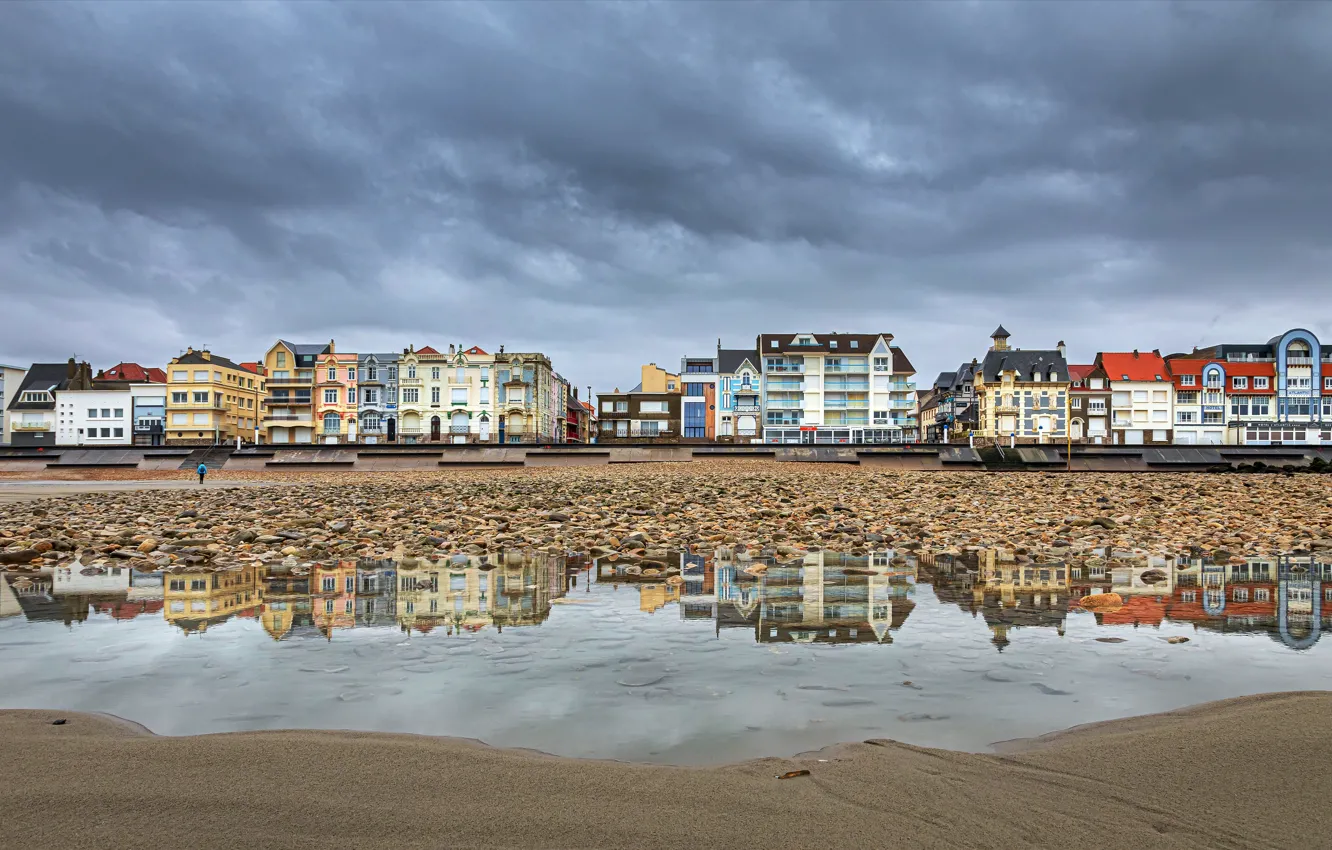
<point x="822" y="597"/>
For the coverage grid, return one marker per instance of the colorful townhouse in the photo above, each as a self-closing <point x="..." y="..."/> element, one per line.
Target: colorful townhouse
<point x="289" y="405"/>
<point x="1021" y="395"/>
<point x="700" y="388"/>
<point x="211" y="399"/>
<point x="1142" y="410"/>
<point x="836" y="388"/>
<point x="336" y="406"/>
<point x="377" y="408"/>
<point x="469" y="377"/>
<point x="527" y="410"/>
<point x="740" y="409"/>
<point x="947" y="411"/>
<point x="1089" y="404"/>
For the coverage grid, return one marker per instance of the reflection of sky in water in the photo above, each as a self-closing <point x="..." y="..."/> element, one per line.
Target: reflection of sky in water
<point x="658" y="668"/>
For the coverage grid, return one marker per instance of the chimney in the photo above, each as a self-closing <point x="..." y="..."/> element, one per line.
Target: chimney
<point x="1156" y="351"/>
<point x="1063" y="350"/>
<point x="451" y="349"/>
<point x="71" y="369"/>
<point x="501" y="351"/>
<point x="206" y="354"/>
<point x="331" y="348"/>
<point x="575" y="392"/>
<point x="1135" y="354"/>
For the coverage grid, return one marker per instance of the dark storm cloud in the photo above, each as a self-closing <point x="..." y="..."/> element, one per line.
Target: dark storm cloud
<point x="616" y="183"/>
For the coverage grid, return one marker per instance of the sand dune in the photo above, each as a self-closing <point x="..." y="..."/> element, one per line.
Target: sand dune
<point x="1249" y="772"/>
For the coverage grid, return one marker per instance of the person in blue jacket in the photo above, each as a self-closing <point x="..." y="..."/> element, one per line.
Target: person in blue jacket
<point x="202" y="470"/>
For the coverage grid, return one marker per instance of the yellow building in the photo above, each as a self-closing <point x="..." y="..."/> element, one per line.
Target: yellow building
<point x="289" y="407"/>
<point x="658" y="380"/>
<point x="1022" y="395"/>
<point x="211" y="399"/>
<point x="194" y="601"/>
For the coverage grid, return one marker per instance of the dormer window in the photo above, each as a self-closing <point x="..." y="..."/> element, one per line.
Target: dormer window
<point x="804" y="340"/>
<point x="772" y="344"/>
<point x="832" y="343"/>
<point x="855" y="343"/>
<point x="1186" y="380"/>
<point x="1054" y="376"/>
<point x="1036" y="376"/>
<point x="1123" y="377"/>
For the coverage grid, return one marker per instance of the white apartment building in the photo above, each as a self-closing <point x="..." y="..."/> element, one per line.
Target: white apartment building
<point x="1142" y="408"/>
<point x="836" y="388"/>
<point x="97" y="417"/>
<point x="11" y="377"/>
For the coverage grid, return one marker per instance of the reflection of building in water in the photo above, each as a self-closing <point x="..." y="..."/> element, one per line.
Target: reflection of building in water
<point x="376" y="593"/>
<point x="657" y="581"/>
<point x="471" y="592"/>
<point x="825" y="597"/>
<point x="195" y="601"/>
<point x="333" y="596"/>
<point x="1007" y="594"/>
<point x="286" y="603"/>
<point x="1288" y="597"/>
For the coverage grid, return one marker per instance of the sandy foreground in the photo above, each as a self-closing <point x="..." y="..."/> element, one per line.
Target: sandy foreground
<point x="1248" y="772"/>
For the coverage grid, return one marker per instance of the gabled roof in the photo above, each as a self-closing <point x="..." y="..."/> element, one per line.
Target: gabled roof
<point x="40" y="376"/>
<point x="945" y="380"/>
<point x="249" y="366"/>
<point x="306" y="348"/>
<point x="821" y="343"/>
<point x="1134" y="366"/>
<point x="729" y="360"/>
<point x="477" y="351"/>
<point x="1080" y="371"/>
<point x="1024" y="362"/>
<point x="134" y="373"/>
<point x="901" y="364"/>
<point x="426" y="350"/>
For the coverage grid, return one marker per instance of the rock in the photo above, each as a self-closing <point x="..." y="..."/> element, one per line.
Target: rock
<point x="21" y="556"/>
<point x="1177" y="639"/>
<point x="339" y="525"/>
<point x="1101" y="602"/>
<point x="187" y="514"/>
<point x="1105" y="522"/>
<point x="556" y="516"/>
<point x="148" y="545"/>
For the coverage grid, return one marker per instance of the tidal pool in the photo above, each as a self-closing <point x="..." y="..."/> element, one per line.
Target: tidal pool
<point x="691" y="658"/>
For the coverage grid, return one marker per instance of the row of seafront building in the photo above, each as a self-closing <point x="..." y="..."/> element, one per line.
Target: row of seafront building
<point x="787" y="388"/>
<point x="297" y="394"/>
<point x="1276" y="392"/>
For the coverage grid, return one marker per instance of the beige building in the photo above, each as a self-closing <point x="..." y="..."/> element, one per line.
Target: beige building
<point x="1022" y="395"/>
<point x="210" y="399"/>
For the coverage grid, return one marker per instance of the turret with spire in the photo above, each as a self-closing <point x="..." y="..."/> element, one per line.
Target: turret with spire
<point x="1000" y="338"/>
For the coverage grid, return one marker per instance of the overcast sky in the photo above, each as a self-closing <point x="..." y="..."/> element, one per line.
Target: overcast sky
<point x="621" y="183"/>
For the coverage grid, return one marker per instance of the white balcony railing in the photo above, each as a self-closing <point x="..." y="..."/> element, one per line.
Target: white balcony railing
<point x="31" y="426"/>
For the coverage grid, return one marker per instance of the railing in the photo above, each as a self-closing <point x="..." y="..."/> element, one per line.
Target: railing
<point x="1096" y="408"/>
<point x="304" y="382"/>
<point x="31" y="426"/>
<point x="845" y="404"/>
<point x="279" y="400"/>
<point x="846" y="386"/>
<point x="1299" y="361"/>
<point x="786" y="367"/>
<point x="282" y="417"/>
<point x="460" y="429"/>
<point x="787" y="422"/>
<point x="903" y="387"/>
<point x="780" y="384"/>
<point x="901" y="404"/>
<point x="845" y="423"/>
<point x="411" y="432"/>
<point x="847" y="370"/>
<point x="747" y="407"/>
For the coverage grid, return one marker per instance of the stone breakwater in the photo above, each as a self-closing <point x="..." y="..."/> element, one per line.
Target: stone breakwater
<point x="639" y="511"/>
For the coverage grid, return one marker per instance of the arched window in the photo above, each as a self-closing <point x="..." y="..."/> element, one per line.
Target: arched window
<point x="332" y="423"/>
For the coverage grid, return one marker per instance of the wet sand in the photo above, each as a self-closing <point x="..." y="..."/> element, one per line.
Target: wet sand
<point x="1248" y="772"/>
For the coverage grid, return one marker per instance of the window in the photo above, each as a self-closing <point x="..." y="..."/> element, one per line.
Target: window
<point x="772" y="344"/>
<point x="201" y="398"/>
<point x="201" y="419"/>
<point x="695" y="419"/>
<point x="434" y="373"/>
<point x="649" y="428"/>
<point x="201" y="376"/>
<point x="652" y="407"/>
<point x="120" y="413"/>
<point x="485" y="394"/>
<point x="106" y="413"/>
<point x="281" y="359"/>
<point x="1139" y="396"/>
<point x="621" y="407"/>
<point x="332" y="373"/>
<point x="607" y="406"/>
<point x="393" y="373"/>
<point x="1327" y="383"/>
<point x="351" y="395"/>
<point x="1096" y="383"/>
<point x="330" y="396"/>
<point x="371" y="373"/>
<point x="117" y="432"/>
<point x="411" y="371"/>
<point x="370" y="396"/>
<point x="92" y="413"/>
<point x="1160" y="416"/>
<point x="434" y="395"/>
<point x="351" y="373"/>
<point x="1186" y="380"/>
<point x="1077" y="403"/>
<point x="1239" y="383"/>
<point x="880" y="417"/>
<point x="179" y="376"/>
<point x="670" y="385"/>
<point x="1262" y="594"/>
<point x="458" y="395"/>
<point x="411" y="395"/>
<point x="693" y="389"/>
<point x="1186" y="417"/>
<point x="1120" y="399"/>
<point x="106" y="432"/>
<point x="607" y="424"/>
<point x="180" y="418"/>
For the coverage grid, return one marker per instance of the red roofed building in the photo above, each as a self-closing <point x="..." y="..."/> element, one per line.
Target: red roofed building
<point x="132" y="373"/>
<point x="1142" y="409"/>
<point x="1089" y="400"/>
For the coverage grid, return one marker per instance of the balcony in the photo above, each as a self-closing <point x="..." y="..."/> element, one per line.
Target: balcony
<point x="846" y="404"/>
<point x="902" y="387"/>
<point x="901" y="404"/>
<point x="31" y="426"/>
<point x="288" y="401"/>
<point x="790" y="368"/>
<point x="780" y="384"/>
<point x="847" y="369"/>
<point x="287" y="419"/>
<point x="1299" y="361"/>
<point x="843" y="385"/>
<point x="460" y="429"/>
<point x="307" y="381"/>
<point x="747" y="407"/>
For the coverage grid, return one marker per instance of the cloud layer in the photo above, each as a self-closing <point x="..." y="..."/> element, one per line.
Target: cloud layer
<point x="619" y="183"/>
